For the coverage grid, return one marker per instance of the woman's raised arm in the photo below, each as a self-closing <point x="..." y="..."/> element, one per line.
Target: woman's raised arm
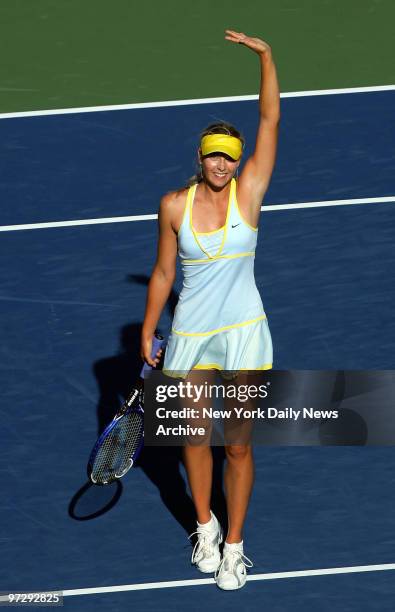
<point x="255" y="177"/>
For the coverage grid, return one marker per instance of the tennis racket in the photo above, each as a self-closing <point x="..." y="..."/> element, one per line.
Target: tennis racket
<point x="122" y="440"/>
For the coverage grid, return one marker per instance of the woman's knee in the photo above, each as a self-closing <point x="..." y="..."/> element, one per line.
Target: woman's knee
<point x="199" y="451"/>
<point x="238" y="452"/>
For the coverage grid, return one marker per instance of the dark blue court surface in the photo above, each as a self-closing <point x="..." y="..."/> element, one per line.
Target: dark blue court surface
<point x="72" y="302"/>
<point x="117" y="163"/>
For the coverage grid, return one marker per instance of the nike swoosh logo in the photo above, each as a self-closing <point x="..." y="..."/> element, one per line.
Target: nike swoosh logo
<point x="236" y="225"/>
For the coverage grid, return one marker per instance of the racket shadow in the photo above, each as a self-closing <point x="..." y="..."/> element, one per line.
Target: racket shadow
<point x="91" y="502"/>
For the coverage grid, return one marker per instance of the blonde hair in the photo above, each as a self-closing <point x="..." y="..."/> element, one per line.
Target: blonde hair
<point x="222" y="127"/>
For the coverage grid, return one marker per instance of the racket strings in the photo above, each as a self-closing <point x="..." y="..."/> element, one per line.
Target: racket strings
<point x="116" y="454"/>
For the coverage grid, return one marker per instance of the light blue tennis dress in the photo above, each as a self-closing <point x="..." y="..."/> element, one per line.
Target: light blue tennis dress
<point x="219" y="322"/>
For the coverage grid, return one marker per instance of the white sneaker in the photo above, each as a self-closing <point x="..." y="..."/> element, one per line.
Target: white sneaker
<point x="232" y="571"/>
<point x="206" y="555"/>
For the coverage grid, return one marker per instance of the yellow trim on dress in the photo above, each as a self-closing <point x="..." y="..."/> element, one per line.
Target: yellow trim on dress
<point x="224" y="227"/>
<point x="235" y="256"/>
<point x="216" y="366"/>
<point x="186" y="207"/>
<point x="212" y="366"/>
<point x="220" y="329"/>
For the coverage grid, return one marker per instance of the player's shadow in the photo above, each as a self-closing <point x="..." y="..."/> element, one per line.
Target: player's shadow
<point x="115" y="377"/>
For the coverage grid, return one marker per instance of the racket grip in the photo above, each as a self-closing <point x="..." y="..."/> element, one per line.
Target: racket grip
<point x="157" y="343"/>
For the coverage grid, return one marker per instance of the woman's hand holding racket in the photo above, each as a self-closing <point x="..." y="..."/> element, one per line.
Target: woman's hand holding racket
<point x="148" y="355"/>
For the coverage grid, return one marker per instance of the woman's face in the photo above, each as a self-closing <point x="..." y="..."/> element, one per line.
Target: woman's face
<point x="218" y="168"/>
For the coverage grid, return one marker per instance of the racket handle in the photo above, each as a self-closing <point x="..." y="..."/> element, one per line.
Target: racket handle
<point x="157" y="343"/>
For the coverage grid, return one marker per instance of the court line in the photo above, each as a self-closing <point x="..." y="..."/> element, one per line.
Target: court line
<point x="201" y="581"/>
<point x="165" y="103"/>
<point x="381" y="200"/>
<point x="265" y="208"/>
<point x="49" y="224"/>
<point x="330" y="571"/>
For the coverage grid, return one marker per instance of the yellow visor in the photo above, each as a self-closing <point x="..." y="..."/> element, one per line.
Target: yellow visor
<point x="222" y="143"/>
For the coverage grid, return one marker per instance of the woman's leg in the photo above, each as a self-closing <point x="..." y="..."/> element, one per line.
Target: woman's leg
<point x="239" y="478"/>
<point x="198" y="459"/>
<point x="239" y="471"/>
<point x="198" y="462"/>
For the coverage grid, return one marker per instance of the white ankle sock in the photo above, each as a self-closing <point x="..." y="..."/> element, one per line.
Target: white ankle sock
<point x="210" y="522"/>
<point x="234" y="546"/>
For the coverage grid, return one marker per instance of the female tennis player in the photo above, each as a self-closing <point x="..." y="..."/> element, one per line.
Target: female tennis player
<point x="219" y="322"/>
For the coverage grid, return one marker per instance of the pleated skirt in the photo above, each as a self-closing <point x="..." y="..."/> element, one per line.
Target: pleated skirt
<point x="248" y="347"/>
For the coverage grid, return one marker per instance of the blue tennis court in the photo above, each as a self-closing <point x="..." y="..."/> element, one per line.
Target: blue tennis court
<point x="72" y="302"/>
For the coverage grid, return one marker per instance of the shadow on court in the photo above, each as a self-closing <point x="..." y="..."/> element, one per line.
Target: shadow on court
<point x="91" y="501"/>
<point x="115" y="376"/>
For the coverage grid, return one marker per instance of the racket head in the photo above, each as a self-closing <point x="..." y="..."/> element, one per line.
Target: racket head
<point x="118" y="447"/>
<point x="121" y="442"/>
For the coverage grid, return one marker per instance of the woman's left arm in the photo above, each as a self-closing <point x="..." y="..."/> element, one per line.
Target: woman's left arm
<point x="255" y="177"/>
